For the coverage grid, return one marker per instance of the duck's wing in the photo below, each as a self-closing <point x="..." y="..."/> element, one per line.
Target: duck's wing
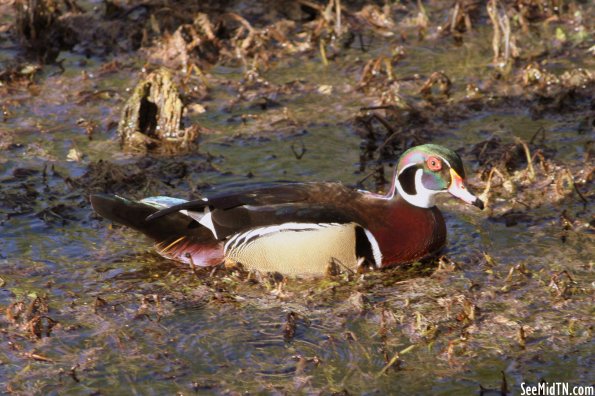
<point x="229" y="213"/>
<point x="268" y="195"/>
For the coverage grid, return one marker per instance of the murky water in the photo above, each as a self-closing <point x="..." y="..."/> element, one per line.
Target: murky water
<point x="128" y="321"/>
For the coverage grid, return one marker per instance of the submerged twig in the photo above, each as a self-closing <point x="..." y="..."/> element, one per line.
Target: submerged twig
<point x="322" y="44"/>
<point x="191" y="262"/>
<point x="300" y="154"/>
<point x="338" y="17"/>
<point x="395" y="359"/>
<point x="530" y="168"/>
<point x="502" y="44"/>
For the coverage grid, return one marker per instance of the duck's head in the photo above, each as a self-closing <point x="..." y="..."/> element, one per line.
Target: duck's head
<point x="424" y="171"/>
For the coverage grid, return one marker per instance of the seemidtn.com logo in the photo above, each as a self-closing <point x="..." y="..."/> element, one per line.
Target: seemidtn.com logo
<point x="556" y="389"/>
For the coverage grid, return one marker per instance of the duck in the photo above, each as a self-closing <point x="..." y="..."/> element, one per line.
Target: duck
<point x="304" y="228"/>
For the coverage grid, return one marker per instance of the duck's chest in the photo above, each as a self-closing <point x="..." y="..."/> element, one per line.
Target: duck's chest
<point x="407" y="233"/>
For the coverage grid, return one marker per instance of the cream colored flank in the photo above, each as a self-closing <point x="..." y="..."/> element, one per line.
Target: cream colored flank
<point x="305" y="250"/>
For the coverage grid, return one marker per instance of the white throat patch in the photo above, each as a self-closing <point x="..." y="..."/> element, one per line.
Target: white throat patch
<point x="425" y="198"/>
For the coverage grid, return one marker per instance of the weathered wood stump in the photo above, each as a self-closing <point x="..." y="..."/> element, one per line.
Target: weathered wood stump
<point x="152" y="117"/>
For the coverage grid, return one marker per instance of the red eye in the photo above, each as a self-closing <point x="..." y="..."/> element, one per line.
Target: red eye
<point x="434" y="164"/>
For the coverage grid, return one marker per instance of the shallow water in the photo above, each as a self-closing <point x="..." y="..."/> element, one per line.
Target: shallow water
<point x="129" y="320"/>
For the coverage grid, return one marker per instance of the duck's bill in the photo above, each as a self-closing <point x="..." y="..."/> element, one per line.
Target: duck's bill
<point x="458" y="189"/>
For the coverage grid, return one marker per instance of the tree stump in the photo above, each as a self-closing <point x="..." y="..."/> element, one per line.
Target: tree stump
<point x="152" y="117"/>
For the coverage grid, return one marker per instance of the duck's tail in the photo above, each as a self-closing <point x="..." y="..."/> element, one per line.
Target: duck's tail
<point x="177" y="235"/>
<point x="133" y="214"/>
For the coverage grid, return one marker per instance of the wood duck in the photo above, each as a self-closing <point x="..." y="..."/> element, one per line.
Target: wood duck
<point x="300" y="228"/>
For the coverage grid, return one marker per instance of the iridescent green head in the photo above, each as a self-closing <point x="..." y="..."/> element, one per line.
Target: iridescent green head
<point x="424" y="171"/>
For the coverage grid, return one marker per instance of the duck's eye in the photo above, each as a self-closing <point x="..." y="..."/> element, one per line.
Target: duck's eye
<point x="434" y="164"/>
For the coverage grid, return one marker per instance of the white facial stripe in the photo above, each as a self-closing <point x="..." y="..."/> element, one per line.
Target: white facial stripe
<point x="406" y="167"/>
<point x="424" y="198"/>
<point x="375" y="248"/>
<point x="413" y="164"/>
<point x="447" y="163"/>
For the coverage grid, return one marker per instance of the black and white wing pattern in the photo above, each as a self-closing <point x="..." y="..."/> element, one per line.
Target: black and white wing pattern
<point x="231" y="213"/>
